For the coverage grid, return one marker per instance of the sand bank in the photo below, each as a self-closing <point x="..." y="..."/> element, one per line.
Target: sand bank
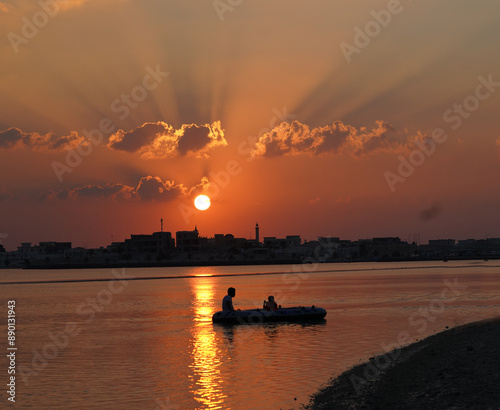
<point x="456" y="369"/>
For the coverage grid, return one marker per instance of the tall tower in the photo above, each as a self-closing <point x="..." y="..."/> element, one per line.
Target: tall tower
<point x="161" y="221"/>
<point x="257" y="233"/>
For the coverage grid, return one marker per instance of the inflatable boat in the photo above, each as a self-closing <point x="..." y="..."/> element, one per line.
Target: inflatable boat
<point x="292" y="314"/>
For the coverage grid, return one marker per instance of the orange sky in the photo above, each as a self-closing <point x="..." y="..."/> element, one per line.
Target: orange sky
<point x="304" y="117"/>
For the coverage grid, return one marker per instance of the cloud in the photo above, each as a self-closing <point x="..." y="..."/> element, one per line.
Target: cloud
<point x="333" y="137"/>
<point x="15" y="138"/>
<point x="384" y="137"/>
<point x="145" y="136"/>
<point x="106" y="191"/>
<point x="53" y="4"/>
<point x="200" y="139"/>
<point x="115" y="191"/>
<point x="152" y="140"/>
<point x="4" y="7"/>
<point x="201" y="188"/>
<point x="153" y="188"/>
<point x="149" y="188"/>
<point x="160" y="140"/>
<point x="296" y="138"/>
<point x="68" y="4"/>
<point x="4" y="194"/>
<point x="71" y="4"/>
<point x="287" y="138"/>
<point x="430" y="213"/>
<point x="9" y="138"/>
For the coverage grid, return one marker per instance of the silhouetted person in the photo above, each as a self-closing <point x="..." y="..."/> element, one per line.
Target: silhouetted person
<point x="270" y="304"/>
<point x="227" y="302"/>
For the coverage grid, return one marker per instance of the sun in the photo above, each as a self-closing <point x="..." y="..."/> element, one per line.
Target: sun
<point x="202" y="202"/>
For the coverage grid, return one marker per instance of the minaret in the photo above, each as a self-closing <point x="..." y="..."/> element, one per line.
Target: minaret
<point x="257" y="233"/>
<point x="161" y="221"/>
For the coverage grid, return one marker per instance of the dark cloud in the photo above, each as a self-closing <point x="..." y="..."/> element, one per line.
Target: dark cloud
<point x="194" y="138"/>
<point x="430" y="213"/>
<point x="4" y="195"/>
<point x="149" y="188"/>
<point x="106" y="191"/>
<point x="152" y="140"/>
<point x="160" y="140"/>
<point x="51" y="141"/>
<point x="287" y="138"/>
<point x="146" y="134"/>
<point x="296" y="138"/>
<point x="10" y="137"/>
<point x="333" y="137"/>
<point x="14" y="137"/>
<point x="61" y="4"/>
<point x="201" y="188"/>
<point x="153" y="188"/>
<point x="115" y="191"/>
<point x="384" y="137"/>
<point x="63" y="194"/>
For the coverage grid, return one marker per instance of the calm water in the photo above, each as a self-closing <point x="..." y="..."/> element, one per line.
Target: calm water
<point x="150" y="344"/>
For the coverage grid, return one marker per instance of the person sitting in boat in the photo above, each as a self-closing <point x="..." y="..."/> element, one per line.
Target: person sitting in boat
<point x="227" y="302"/>
<point x="270" y="304"/>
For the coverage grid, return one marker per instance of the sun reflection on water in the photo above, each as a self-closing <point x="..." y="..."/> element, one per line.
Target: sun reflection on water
<point x="206" y="379"/>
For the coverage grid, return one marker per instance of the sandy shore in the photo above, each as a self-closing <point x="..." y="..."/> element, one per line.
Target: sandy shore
<point x="455" y="369"/>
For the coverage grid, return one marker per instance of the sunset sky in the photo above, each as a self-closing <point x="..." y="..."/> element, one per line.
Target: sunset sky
<point x="318" y="118"/>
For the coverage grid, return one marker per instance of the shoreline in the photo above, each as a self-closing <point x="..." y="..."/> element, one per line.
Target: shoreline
<point x="458" y="368"/>
<point x="204" y="263"/>
<point x="396" y="268"/>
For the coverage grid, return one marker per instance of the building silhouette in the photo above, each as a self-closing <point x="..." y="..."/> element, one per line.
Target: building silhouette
<point x="189" y="248"/>
<point x="187" y="241"/>
<point x="159" y="243"/>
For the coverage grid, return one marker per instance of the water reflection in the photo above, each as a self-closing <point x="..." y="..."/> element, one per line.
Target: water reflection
<point x="226" y="330"/>
<point x="206" y="379"/>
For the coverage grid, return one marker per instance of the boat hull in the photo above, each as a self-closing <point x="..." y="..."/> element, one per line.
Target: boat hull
<point x="293" y="314"/>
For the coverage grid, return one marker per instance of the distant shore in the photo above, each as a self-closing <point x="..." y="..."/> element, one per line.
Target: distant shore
<point x="162" y="264"/>
<point x="201" y="263"/>
<point x="456" y="369"/>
